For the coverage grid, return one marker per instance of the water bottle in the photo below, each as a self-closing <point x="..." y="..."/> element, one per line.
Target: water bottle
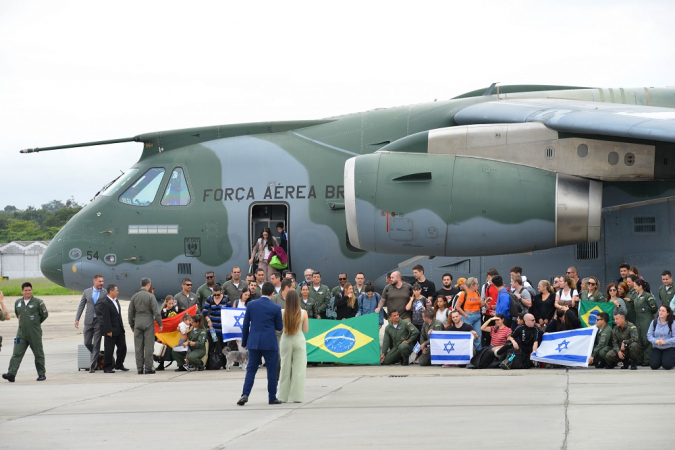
<point x="213" y="334"/>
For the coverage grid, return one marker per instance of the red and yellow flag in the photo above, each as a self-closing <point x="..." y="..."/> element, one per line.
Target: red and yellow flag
<point x="170" y="334"/>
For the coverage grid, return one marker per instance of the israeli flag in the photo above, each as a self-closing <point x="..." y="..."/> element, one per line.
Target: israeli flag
<point x="232" y="322"/>
<point x="416" y="349"/>
<point x="451" y="347"/>
<point x="567" y="348"/>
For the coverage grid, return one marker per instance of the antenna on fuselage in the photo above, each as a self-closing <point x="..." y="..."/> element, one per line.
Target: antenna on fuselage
<point x="490" y="90"/>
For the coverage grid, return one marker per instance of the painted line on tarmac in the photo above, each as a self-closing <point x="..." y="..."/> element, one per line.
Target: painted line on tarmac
<point x="290" y="411"/>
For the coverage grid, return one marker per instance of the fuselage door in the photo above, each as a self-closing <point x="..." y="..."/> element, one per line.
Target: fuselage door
<point x="269" y="215"/>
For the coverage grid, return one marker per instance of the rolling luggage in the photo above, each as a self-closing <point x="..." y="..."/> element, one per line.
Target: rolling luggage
<point x="83" y="357"/>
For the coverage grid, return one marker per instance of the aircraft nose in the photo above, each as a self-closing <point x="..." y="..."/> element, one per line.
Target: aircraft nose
<point x="51" y="264"/>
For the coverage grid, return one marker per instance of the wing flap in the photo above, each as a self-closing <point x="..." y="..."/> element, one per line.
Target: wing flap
<point x="610" y="119"/>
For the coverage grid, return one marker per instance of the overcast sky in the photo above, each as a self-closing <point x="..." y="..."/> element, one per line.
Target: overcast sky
<point x="75" y="71"/>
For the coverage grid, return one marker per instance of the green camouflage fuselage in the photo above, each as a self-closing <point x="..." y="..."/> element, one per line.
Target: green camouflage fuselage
<point x="300" y="165"/>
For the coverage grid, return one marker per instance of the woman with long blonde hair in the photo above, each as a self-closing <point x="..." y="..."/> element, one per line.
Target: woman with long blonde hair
<point x="169" y="307"/>
<point x="293" y="350"/>
<point x="544" y="304"/>
<point x="345" y="303"/>
<point x="567" y="297"/>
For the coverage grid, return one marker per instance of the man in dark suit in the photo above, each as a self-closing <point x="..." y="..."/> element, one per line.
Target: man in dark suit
<point x="261" y="322"/>
<point x="112" y="328"/>
<point x="92" y="332"/>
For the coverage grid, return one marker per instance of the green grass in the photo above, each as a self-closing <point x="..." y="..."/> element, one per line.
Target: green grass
<point x="41" y="286"/>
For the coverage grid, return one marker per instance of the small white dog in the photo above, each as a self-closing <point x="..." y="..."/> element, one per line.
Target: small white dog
<point x="232" y="357"/>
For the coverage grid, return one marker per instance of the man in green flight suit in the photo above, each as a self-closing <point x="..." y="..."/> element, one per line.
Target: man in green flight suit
<point x="667" y="290"/>
<point x="399" y="337"/>
<point x="206" y="289"/>
<point x="430" y="324"/>
<point x="185" y="298"/>
<point x="196" y="343"/>
<point x="319" y="294"/>
<point x="645" y="308"/>
<point x="4" y="313"/>
<point x="31" y="312"/>
<point x="625" y="344"/>
<point x="603" y="341"/>
<point x="143" y="311"/>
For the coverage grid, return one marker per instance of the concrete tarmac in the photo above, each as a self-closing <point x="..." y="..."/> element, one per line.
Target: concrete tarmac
<point x="345" y="406"/>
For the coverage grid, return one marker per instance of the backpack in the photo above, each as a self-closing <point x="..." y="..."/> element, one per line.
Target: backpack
<point x="514" y="306"/>
<point x="363" y="296"/>
<point x="523" y="308"/>
<point x="331" y="310"/>
<point x="670" y="326"/>
<point x="482" y="359"/>
<point x="453" y="303"/>
<point x="530" y="289"/>
<point x="279" y="253"/>
<point x="513" y="360"/>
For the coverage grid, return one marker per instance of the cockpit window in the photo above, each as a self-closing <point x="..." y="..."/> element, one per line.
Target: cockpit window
<point x="144" y="190"/>
<point x="122" y="179"/>
<point x="177" y="193"/>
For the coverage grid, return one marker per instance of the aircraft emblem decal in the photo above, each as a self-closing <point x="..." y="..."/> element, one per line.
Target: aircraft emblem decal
<point x="193" y="247"/>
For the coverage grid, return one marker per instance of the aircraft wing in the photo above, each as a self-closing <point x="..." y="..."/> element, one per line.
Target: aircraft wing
<point x="573" y="116"/>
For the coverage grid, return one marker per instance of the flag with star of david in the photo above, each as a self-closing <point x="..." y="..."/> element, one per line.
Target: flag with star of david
<point x="232" y="321"/>
<point x="567" y="348"/>
<point x="451" y="347"/>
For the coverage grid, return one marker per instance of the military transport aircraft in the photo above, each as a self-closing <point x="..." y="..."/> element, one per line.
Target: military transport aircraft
<point x="548" y="176"/>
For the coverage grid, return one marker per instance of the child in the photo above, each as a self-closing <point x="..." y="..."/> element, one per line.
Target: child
<point x="184" y="328"/>
<point x="283" y="236"/>
<point x="169" y="307"/>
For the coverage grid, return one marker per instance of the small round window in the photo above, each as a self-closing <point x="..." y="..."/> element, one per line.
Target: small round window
<point x="75" y="253"/>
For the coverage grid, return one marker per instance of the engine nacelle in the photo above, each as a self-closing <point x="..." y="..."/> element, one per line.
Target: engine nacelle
<point x="449" y="205"/>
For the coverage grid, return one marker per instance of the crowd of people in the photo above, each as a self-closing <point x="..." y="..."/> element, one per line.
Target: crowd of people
<point x="504" y="314"/>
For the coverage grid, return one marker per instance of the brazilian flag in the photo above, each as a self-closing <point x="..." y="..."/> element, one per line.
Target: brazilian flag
<point x="588" y="312"/>
<point x="349" y="341"/>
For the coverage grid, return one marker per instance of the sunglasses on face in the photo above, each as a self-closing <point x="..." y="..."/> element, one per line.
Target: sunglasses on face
<point x="217" y="295"/>
<point x="209" y="277"/>
<point x="590" y="283"/>
<point x="612" y="289"/>
<point x="187" y="284"/>
<point x="342" y="279"/>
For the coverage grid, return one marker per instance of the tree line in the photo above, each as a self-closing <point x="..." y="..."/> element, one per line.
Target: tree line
<point x="33" y="224"/>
